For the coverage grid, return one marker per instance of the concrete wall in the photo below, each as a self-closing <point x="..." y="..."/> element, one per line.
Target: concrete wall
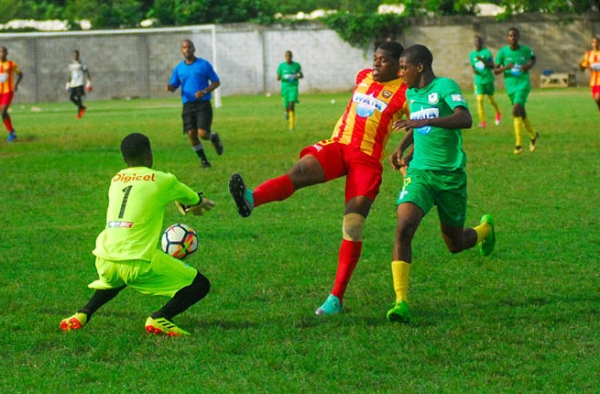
<point x="138" y="63"/>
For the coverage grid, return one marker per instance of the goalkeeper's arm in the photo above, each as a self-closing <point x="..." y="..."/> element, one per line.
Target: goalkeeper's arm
<point x="197" y="209"/>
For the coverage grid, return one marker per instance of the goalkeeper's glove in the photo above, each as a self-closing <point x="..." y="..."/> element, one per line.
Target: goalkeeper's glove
<point x="197" y="209"/>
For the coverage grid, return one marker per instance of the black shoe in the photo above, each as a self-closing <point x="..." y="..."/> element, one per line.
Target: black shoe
<point x="243" y="197"/>
<point x="216" y="141"/>
<point x="205" y="164"/>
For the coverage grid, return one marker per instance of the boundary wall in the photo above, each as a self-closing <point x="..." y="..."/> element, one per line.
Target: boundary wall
<point x="139" y="62"/>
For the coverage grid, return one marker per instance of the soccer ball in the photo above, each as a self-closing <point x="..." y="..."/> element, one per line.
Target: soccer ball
<point x="180" y="241"/>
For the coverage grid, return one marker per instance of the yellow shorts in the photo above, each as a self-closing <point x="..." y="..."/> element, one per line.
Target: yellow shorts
<point x="163" y="275"/>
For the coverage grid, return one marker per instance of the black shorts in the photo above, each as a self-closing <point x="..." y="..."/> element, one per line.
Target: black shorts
<point x="78" y="91"/>
<point x="197" y="115"/>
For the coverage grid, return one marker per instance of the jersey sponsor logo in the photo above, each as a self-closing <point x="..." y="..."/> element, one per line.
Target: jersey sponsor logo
<point x="425" y="113"/>
<point x="131" y="178"/>
<point x="113" y="224"/>
<point x="366" y="104"/>
<point x="3" y="78"/>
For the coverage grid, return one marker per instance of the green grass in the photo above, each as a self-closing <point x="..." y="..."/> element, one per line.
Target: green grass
<point x="526" y="319"/>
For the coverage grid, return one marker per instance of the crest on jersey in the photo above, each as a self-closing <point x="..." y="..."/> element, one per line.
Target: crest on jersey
<point x="386" y="94"/>
<point x="433" y="98"/>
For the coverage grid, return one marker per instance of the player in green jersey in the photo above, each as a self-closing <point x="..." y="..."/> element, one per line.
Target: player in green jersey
<point x="126" y="251"/>
<point x="435" y="174"/>
<point x="515" y="61"/>
<point x="289" y="72"/>
<point x="482" y="63"/>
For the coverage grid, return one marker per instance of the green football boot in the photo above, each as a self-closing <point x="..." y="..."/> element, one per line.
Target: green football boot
<point x="486" y="246"/>
<point x="399" y="313"/>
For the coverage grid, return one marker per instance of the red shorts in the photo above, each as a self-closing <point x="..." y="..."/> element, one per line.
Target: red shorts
<point x="6" y="98"/>
<point x="363" y="172"/>
<point x="595" y="91"/>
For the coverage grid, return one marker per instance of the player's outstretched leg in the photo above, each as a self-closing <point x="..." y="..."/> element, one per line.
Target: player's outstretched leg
<point x="75" y="322"/>
<point x="486" y="246"/>
<point x="242" y="196"/>
<point x="162" y="325"/>
<point x="331" y="306"/>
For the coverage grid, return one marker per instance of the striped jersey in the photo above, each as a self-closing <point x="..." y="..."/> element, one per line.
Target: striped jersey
<point x="374" y="107"/>
<point x="591" y="61"/>
<point x="8" y="69"/>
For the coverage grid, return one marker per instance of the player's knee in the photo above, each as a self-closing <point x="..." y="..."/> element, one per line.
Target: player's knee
<point x="352" y="227"/>
<point x="201" y="286"/>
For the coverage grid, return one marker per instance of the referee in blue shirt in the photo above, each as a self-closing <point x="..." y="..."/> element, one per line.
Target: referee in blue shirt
<point x="197" y="80"/>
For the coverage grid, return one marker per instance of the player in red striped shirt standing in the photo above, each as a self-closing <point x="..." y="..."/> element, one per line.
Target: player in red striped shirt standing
<point x="591" y="61"/>
<point x="355" y="150"/>
<point x="8" y="87"/>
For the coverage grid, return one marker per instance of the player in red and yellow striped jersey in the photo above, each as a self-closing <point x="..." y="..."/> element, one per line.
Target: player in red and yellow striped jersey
<point x="591" y="61"/>
<point x="8" y="87"/>
<point x="355" y="150"/>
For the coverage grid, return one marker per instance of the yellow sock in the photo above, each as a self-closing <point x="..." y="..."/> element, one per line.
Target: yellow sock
<point x="400" y="273"/>
<point x="480" y="109"/>
<point x="518" y="122"/>
<point x="482" y="231"/>
<point x="529" y="128"/>
<point x="291" y="119"/>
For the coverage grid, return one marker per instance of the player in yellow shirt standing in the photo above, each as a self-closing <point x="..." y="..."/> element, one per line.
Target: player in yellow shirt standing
<point x="591" y="61"/>
<point x="126" y="251"/>
<point x="8" y="87"/>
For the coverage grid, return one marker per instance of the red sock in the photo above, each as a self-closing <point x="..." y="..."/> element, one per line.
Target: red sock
<point x="347" y="261"/>
<point x="8" y="124"/>
<point x="276" y="189"/>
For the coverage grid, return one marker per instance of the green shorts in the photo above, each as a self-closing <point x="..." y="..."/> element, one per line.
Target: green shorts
<point x="164" y="275"/>
<point x="289" y="94"/>
<point x="486" y="89"/>
<point x="446" y="189"/>
<point x="519" y="96"/>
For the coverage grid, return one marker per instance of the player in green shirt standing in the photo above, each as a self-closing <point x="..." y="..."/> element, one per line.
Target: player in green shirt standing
<point x="482" y="63"/>
<point x="435" y="174"/>
<point x="126" y="251"/>
<point x="515" y="61"/>
<point x="289" y="72"/>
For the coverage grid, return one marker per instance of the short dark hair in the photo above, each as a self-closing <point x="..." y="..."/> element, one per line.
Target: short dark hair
<point x="515" y="30"/>
<point x="418" y="54"/>
<point x="135" y="145"/>
<point x="394" y="48"/>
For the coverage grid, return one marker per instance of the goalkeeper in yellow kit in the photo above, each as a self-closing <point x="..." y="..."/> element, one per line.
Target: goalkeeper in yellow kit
<point x="126" y="250"/>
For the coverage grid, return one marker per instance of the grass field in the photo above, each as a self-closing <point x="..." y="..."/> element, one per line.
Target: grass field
<point x="526" y="319"/>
